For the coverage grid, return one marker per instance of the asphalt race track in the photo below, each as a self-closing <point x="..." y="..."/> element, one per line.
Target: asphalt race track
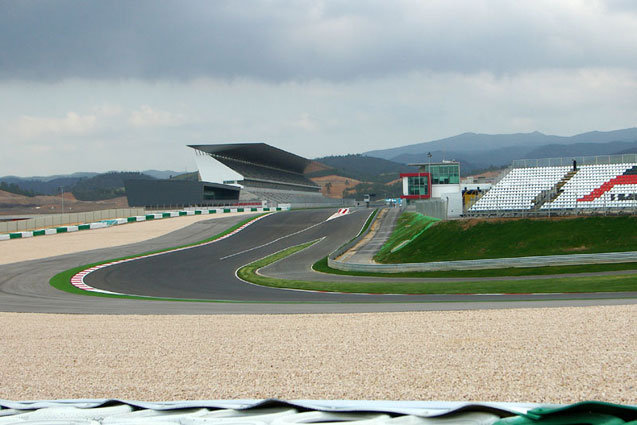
<point x="208" y="272"/>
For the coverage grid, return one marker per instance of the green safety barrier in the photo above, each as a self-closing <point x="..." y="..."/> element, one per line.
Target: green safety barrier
<point x="165" y="215"/>
<point x="197" y="212"/>
<point x="212" y="211"/>
<point x="131" y="219"/>
<point x="584" y="413"/>
<point x="80" y="227"/>
<point x="240" y="210"/>
<point x="183" y="213"/>
<point x="15" y="235"/>
<point x="150" y="217"/>
<point x="253" y="209"/>
<point x="39" y="232"/>
<point x="61" y="230"/>
<point x="226" y="210"/>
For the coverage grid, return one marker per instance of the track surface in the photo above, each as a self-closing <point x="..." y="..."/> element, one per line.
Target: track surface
<point x="208" y="272"/>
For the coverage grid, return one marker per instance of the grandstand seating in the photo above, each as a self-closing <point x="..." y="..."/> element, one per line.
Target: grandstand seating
<point x="251" y="171"/>
<point x="518" y="189"/>
<point x="579" y="191"/>
<point x="561" y="188"/>
<point x="264" y="173"/>
<point x="288" y="196"/>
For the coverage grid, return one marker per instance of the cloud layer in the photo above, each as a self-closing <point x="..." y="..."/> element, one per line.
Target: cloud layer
<point x="83" y="81"/>
<point x="309" y="39"/>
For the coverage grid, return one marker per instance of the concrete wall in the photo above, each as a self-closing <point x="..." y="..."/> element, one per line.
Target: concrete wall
<point x="453" y="194"/>
<point x="53" y="220"/>
<point x="436" y="208"/>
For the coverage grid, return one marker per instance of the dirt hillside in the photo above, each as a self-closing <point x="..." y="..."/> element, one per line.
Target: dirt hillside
<point x="12" y="204"/>
<point x="333" y="186"/>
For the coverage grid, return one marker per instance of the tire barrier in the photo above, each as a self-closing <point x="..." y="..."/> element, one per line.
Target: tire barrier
<point x="133" y="219"/>
<point x="275" y="412"/>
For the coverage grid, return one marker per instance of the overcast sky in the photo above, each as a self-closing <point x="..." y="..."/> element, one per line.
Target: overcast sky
<point x="125" y="85"/>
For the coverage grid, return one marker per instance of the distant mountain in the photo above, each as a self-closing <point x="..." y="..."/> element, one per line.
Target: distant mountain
<point x="85" y="186"/>
<point x="360" y="167"/>
<point x="582" y="149"/>
<point x="77" y="175"/>
<point x="467" y="142"/>
<point x="104" y="186"/>
<point x="162" y="174"/>
<point x="194" y="176"/>
<point x="43" y="187"/>
<point x="489" y="142"/>
<point x="482" y="151"/>
<point x="630" y="150"/>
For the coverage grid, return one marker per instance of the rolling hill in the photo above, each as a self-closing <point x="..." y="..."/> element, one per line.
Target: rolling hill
<point x="481" y="151"/>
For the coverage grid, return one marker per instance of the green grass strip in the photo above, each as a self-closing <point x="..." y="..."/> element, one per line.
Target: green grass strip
<point x="62" y="281"/>
<point x="250" y="272"/>
<point x="622" y="283"/>
<point x="408" y="228"/>
<point x="480" y="239"/>
<point x="368" y="223"/>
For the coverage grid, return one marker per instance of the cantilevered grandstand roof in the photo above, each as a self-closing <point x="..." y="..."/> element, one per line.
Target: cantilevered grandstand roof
<point x="259" y="153"/>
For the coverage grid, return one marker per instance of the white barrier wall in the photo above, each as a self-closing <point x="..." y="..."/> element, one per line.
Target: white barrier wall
<point x="70" y="218"/>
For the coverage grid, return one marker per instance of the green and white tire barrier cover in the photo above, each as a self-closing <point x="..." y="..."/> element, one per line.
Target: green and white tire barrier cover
<point x="302" y="412"/>
<point x="134" y="219"/>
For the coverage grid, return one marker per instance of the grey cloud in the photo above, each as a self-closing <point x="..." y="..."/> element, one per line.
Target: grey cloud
<point x="299" y="40"/>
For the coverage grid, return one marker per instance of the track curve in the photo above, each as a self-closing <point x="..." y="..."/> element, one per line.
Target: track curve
<point x="208" y="272"/>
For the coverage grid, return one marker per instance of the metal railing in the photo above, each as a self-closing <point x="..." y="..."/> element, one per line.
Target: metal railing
<point x="581" y="160"/>
<point x="52" y="220"/>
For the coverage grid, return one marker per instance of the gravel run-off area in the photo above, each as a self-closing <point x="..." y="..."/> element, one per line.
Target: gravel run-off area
<point x="556" y="355"/>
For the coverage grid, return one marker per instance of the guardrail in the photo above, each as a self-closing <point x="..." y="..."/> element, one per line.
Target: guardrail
<point x="494" y="263"/>
<point x="581" y="160"/>
<point x="124" y="220"/>
<point x="331" y="259"/>
<point x="53" y="220"/>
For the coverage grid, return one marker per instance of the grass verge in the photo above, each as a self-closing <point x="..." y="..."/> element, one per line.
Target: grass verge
<point x="623" y="283"/>
<point x="368" y="223"/>
<point x="480" y="239"/>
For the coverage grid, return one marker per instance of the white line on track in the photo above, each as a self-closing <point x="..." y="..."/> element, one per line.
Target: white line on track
<point x="77" y="280"/>
<point x="271" y="242"/>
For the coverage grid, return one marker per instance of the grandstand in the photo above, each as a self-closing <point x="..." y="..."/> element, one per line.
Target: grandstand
<point x="587" y="185"/>
<point x="261" y="172"/>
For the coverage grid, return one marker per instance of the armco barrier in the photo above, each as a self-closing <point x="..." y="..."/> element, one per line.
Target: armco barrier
<point x="132" y="219"/>
<point x="331" y="259"/>
<point x="64" y="219"/>
<point x="495" y="263"/>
